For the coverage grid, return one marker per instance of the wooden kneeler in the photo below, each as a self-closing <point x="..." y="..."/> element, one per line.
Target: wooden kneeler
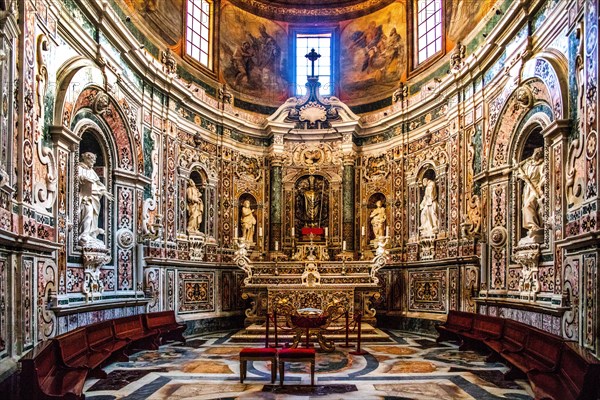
<point x="297" y="355"/>
<point x="259" y="354"/>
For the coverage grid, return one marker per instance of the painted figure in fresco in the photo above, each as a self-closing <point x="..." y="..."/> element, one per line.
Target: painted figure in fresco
<point x="243" y="63"/>
<point x="248" y="221"/>
<point x="429" y="209"/>
<point x="379" y="49"/>
<point x="195" y="207"/>
<point x="531" y="171"/>
<point x="91" y="190"/>
<point x="312" y="202"/>
<point x="378" y="219"/>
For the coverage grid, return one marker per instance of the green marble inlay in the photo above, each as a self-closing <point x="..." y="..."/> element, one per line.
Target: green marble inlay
<point x="276" y="207"/>
<point x="148" y="165"/>
<point x="573" y="88"/>
<point x="78" y="15"/>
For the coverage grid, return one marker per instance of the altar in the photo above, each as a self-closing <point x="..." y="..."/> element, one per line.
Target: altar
<point x="351" y="286"/>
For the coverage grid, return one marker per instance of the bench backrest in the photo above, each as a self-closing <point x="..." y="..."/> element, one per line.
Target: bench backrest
<point x="99" y="333"/>
<point x="514" y="332"/>
<point x="45" y="362"/>
<point x="579" y="371"/>
<point x="544" y="347"/>
<point x="161" y="318"/>
<point x="488" y="324"/>
<point x="72" y="344"/>
<point x="460" y="319"/>
<point x="129" y="325"/>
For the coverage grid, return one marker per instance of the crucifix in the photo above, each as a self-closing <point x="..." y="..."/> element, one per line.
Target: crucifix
<point x="312" y="57"/>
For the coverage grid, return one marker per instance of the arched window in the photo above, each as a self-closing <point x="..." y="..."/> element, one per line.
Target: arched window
<point x="198" y="31"/>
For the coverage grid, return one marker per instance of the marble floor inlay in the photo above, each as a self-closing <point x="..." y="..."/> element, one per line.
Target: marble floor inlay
<point x="411" y="366"/>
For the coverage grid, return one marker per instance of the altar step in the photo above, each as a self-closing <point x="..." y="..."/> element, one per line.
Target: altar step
<point x="255" y="333"/>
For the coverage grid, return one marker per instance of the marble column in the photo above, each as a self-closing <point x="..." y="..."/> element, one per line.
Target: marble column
<point x="275" y="204"/>
<point x="348" y="204"/>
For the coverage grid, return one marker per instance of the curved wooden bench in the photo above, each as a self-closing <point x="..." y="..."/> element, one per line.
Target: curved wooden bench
<point x="166" y="325"/>
<point x="457" y="322"/>
<point x="60" y="366"/>
<point x="557" y="369"/>
<point x="46" y="378"/>
<point x="575" y="378"/>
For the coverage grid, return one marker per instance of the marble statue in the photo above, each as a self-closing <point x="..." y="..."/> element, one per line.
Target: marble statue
<point x="429" y="209"/>
<point x="531" y="171"/>
<point x="378" y="219"/>
<point x="312" y="202"/>
<point x="195" y="207"/>
<point x="248" y="221"/>
<point x="91" y="190"/>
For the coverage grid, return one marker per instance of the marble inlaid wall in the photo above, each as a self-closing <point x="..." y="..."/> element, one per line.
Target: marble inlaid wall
<point x="467" y="124"/>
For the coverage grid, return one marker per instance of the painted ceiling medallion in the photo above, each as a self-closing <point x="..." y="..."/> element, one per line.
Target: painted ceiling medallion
<point x="307" y="10"/>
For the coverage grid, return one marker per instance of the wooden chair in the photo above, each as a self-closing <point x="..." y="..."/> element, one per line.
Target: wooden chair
<point x="258" y="354"/>
<point x="297" y="355"/>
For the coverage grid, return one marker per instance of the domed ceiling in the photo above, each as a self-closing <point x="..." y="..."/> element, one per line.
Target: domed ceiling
<point x="311" y="10"/>
<point x="363" y="76"/>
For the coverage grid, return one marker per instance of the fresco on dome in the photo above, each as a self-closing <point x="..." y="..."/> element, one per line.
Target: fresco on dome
<point x="164" y="17"/>
<point x="253" y="55"/>
<point x="462" y="16"/>
<point x="373" y="53"/>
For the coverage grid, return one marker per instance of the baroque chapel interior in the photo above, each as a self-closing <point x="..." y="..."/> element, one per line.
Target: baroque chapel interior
<point x="380" y="199"/>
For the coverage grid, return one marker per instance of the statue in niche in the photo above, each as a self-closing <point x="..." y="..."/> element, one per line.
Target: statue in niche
<point x="91" y="190"/>
<point x="195" y="207"/>
<point x="531" y="171"/>
<point x="378" y="219"/>
<point x="312" y="202"/>
<point x="248" y="221"/>
<point x="429" y="209"/>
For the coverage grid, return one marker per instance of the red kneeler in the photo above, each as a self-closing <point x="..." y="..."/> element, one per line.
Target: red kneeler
<point x="297" y="355"/>
<point x="258" y="354"/>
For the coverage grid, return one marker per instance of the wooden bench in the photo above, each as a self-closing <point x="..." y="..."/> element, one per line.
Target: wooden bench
<point x="133" y="330"/>
<point x="576" y="377"/>
<point x="166" y="325"/>
<point x="101" y="337"/>
<point x="541" y="352"/>
<point x="513" y="338"/>
<point x="457" y="322"/>
<point x="76" y="353"/>
<point x="44" y="377"/>
<point x="484" y="327"/>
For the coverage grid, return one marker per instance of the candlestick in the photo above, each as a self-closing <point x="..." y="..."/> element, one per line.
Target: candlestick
<point x="293" y="231"/>
<point x="326" y="231"/>
<point x="260" y="231"/>
<point x="387" y="231"/>
<point x="344" y="245"/>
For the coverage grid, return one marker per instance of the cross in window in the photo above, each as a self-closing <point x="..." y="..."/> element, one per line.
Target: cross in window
<point x="312" y="57"/>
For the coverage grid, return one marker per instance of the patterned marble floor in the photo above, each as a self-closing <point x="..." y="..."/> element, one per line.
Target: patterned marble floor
<point x="207" y="367"/>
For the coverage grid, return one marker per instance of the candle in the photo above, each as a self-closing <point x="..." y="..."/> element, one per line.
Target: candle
<point x="362" y="231"/>
<point x="276" y="245"/>
<point x="260" y="231"/>
<point x="235" y="232"/>
<point x="344" y="245"/>
<point x="387" y="231"/>
<point x="293" y="231"/>
<point x="326" y="231"/>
